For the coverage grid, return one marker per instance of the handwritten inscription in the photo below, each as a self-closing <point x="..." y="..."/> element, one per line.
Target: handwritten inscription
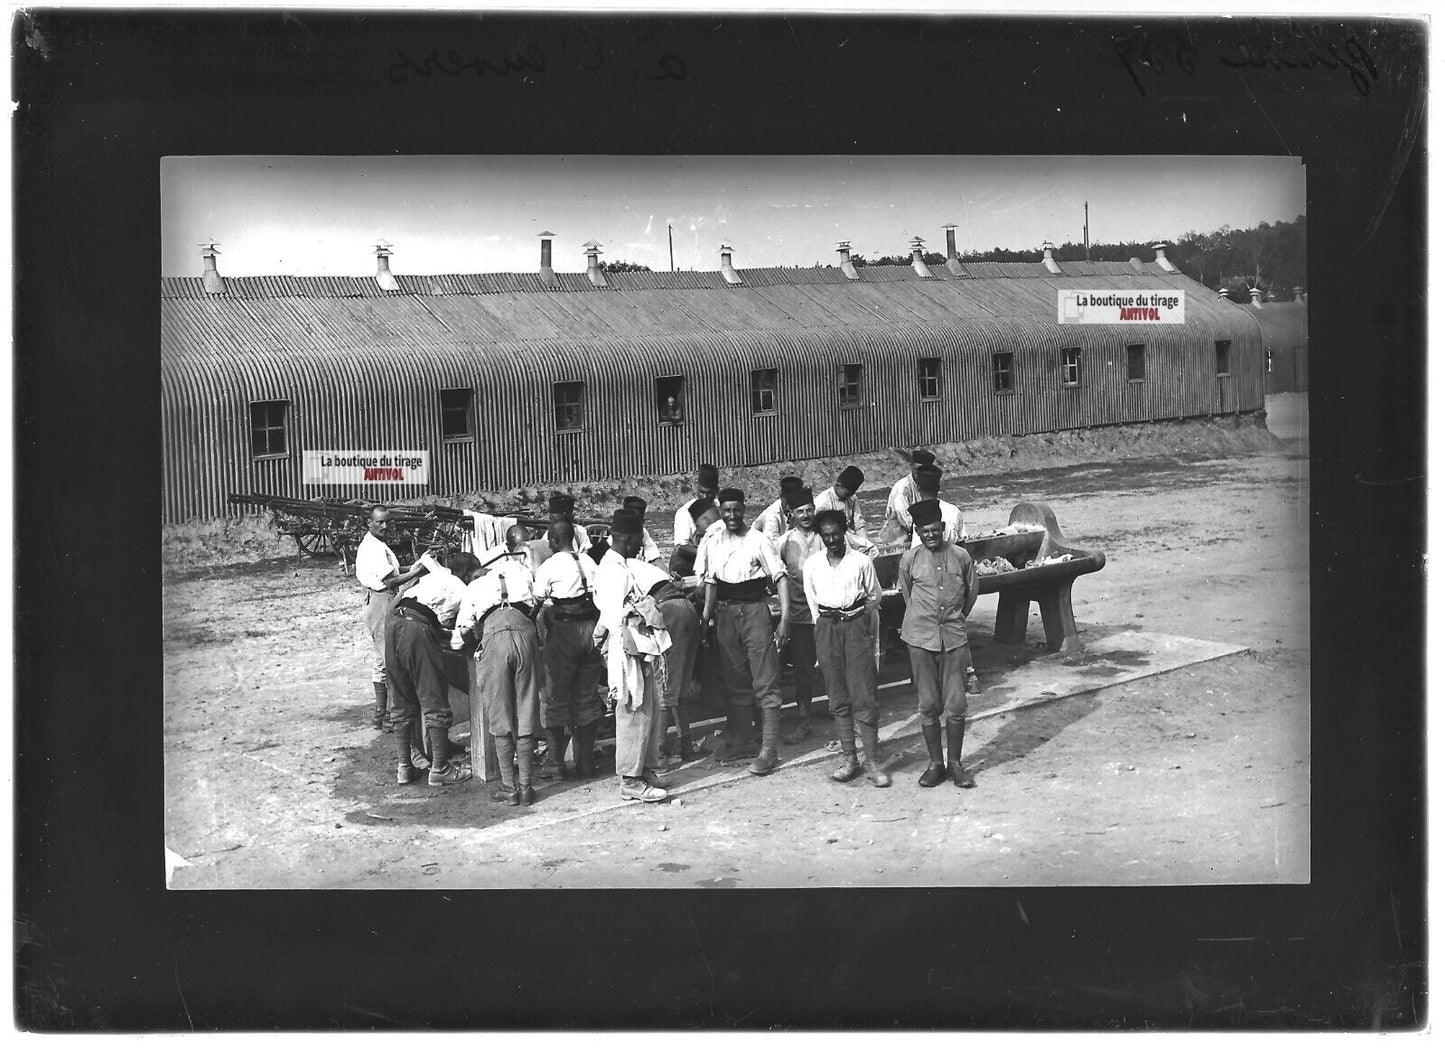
<point x="587" y="55"/>
<point x="1261" y="47"/>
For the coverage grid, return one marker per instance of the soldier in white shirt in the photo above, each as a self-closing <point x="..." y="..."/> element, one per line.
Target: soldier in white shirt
<point x="682" y="521"/>
<point x="564" y="584"/>
<point x="773" y="521"/>
<point x="704" y="514"/>
<point x="842" y="495"/>
<point x="954" y="530"/>
<point x="422" y="670"/>
<point x="842" y="590"/>
<point x="636" y="709"/>
<point x="379" y="572"/>
<point x="905" y="491"/>
<point x="736" y="565"/>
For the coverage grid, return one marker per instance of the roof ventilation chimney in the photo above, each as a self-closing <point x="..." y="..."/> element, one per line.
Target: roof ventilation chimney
<point x="385" y="279"/>
<point x="1254" y="298"/>
<point x="954" y="266"/>
<point x="845" y="260"/>
<point x="1160" y="261"/>
<point x="729" y="274"/>
<point x="1223" y="294"/>
<point x="919" y="267"/>
<point x="1049" y="263"/>
<point x="548" y="277"/>
<point x="594" y="268"/>
<point x="211" y="279"/>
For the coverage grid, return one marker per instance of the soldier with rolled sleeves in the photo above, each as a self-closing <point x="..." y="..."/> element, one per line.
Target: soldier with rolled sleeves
<point x="939" y="586"/>
<point x="422" y="668"/>
<point x="905" y="491"/>
<point x="773" y="521"/>
<point x="379" y="572"/>
<point x="736" y="564"/>
<point x="842" y="591"/>
<point x="842" y="495"/>
<point x="930" y="478"/>
<point x="682" y="521"/>
<point x="565" y="581"/>
<point x="632" y="678"/>
<point x="507" y="673"/>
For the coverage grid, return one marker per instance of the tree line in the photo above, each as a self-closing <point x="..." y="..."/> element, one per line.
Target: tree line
<point x="1270" y="257"/>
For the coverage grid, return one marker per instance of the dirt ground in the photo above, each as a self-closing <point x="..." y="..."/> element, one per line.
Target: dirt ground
<point x="274" y="777"/>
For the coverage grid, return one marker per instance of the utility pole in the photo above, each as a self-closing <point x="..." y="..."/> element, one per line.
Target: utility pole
<point x="1086" y="231"/>
<point x="671" y="265"/>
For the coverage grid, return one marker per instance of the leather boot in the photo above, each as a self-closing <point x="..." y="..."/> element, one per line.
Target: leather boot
<point x="405" y="770"/>
<point x="555" y="766"/>
<point x="443" y="773"/>
<point x="525" y="756"/>
<point x="507" y="793"/>
<point x="850" y="769"/>
<point x="379" y="720"/>
<point x="735" y="737"/>
<point x="686" y="749"/>
<point x="767" y="758"/>
<point x="935" y="773"/>
<point x="418" y="741"/>
<point x="583" y="737"/>
<point x="961" y="776"/>
<point x="868" y="735"/>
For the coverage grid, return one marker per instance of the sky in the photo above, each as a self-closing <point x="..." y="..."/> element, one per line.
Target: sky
<point x="479" y="214"/>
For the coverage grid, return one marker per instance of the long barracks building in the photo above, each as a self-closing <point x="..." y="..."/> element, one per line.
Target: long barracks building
<point x="512" y="379"/>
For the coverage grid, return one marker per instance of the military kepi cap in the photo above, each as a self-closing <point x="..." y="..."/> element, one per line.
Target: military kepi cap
<point x="925" y="512"/>
<point x="707" y="475"/>
<point x="929" y="478"/>
<point x="626" y="522"/>
<point x="922" y="457"/>
<point x="796" y="497"/>
<point x="698" y="507"/>
<point x="635" y="502"/>
<point x="851" y="478"/>
<point x="560" y="503"/>
<point x="788" y="484"/>
<point x="731" y="495"/>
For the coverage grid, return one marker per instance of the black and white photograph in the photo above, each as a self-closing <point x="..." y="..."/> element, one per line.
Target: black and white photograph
<point x="729" y="521"/>
<point x="1052" y="412"/>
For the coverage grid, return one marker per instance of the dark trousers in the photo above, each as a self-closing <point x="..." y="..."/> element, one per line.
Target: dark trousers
<point x="942" y="682"/>
<point x="684" y="627"/>
<point x="749" y="654"/>
<point x="802" y="654"/>
<point x="420" y="672"/>
<point x="845" y="652"/>
<point x="574" y="667"/>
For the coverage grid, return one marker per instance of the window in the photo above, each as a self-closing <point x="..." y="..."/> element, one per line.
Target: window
<point x="1071" y="366"/>
<point x="669" y="399"/>
<point x="567" y="398"/>
<point x="456" y="415"/>
<point x="929" y="371"/>
<point x="1136" y="363"/>
<point x="765" y="391"/>
<point x="1221" y="357"/>
<point x="850" y="386"/>
<point x="1003" y="373"/>
<point x="268" y="429"/>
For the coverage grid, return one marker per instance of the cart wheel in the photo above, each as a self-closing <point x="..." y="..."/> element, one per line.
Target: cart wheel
<point x="314" y="545"/>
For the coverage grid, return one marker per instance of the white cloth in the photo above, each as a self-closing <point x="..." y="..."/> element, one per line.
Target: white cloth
<point x="901" y="496"/>
<point x="631" y="645"/>
<point x="565" y="574"/>
<point x="773" y="521"/>
<point x="374" y="562"/>
<point x="723" y="557"/>
<point x="442" y="592"/>
<point x="954" y="530"/>
<point x="828" y="585"/>
<point x="610" y="585"/>
<point x="682" y="525"/>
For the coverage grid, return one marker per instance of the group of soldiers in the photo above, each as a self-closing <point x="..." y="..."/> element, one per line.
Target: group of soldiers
<point x="532" y="628"/>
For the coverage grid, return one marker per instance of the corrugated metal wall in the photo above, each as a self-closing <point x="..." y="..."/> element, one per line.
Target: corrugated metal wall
<point x="362" y="369"/>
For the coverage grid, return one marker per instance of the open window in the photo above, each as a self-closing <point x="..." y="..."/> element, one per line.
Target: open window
<point x="1221" y="357"/>
<point x="765" y="391"/>
<point x="850" y="386"/>
<point x="567" y="400"/>
<point x="457" y="415"/>
<point x="1136" y="363"/>
<point x="1071" y="358"/>
<point x="669" y="399"/>
<point x="1003" y="373"/>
